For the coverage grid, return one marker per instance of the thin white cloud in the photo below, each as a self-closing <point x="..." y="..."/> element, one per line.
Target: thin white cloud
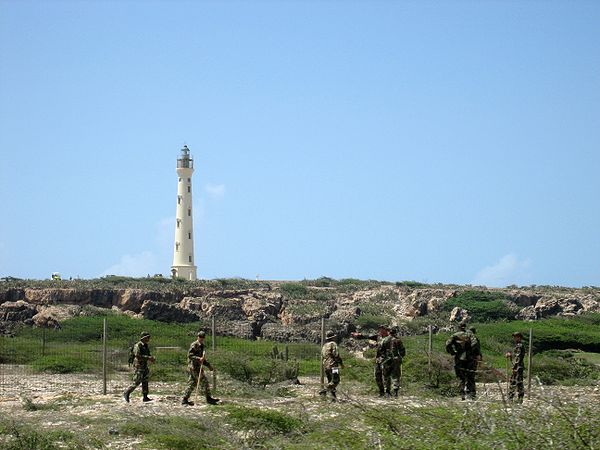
<point x="139" y="265"/>
<point x="508" y="270"/>
<point x="215" y="191"/>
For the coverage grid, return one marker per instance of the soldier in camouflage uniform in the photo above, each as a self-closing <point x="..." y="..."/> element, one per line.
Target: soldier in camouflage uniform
<point x="142" y="357"/>
<point x="383" y="359"/>
<point x="518" y="366"/>
<point x="398" y="352"/>
<point x="460" y="345"/>
<point x="332" y="363"/>
<point x="196" y="371"/>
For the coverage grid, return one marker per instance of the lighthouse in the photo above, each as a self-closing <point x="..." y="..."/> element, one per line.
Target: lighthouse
<point x="183" y="253"/>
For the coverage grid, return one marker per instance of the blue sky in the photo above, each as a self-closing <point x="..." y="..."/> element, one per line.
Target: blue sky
<point x="454" y="142"/>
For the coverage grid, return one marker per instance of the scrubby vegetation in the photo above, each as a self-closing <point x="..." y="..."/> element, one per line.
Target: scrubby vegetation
<point x="483" y="306"/>
<point x="265" y="410"/>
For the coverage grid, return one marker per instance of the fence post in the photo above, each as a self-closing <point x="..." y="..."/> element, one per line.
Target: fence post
<point x="529" y="363"/>
<point x="214" y="334"/>
<point x="429" y="350"/>
<point x="44" y="341"/>
<point x="104" y="326"/>
<point x="321" y="359"/>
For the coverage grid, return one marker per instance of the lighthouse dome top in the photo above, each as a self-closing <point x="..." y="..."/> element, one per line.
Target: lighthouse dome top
<point x="184" y="160"/>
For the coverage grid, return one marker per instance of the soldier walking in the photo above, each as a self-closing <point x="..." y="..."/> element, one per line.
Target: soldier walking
<point x="332" y="363"/>
<point x="141" y="359"/>
<point x="398" y="353"/>
<point x="518" y="367"/>
<point x="196" y="372"/>
<point x="460" y="345"/>
<point x="383" y="359"/>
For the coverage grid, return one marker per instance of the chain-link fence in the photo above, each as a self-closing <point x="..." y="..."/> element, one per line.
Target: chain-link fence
<point x="93" y="357"/>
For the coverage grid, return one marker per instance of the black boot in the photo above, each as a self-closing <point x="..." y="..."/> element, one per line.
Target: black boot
<point x="323" y="393"/>
<point x="212" y="401"/>
<point x="186" y="402"/>
<point x="126" y="395"/>
<point x="333" y="396"/>
<point x="395" y="393"/>
<point x="146" y="398"/>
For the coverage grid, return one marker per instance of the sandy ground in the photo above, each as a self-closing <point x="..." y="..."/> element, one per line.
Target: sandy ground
<point x="78" y="403"/>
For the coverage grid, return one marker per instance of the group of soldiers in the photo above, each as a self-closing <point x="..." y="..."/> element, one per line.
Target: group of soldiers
<point x="463" y="345"/>
<point x="197" y="365"/>
<point x="388" y="361"/>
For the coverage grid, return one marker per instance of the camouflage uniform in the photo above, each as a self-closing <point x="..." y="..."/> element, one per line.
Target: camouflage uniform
<point x="383" y="360"/>
<point x="141" y="375"/>
<point x="332" y="362"/>
<point x="460" y="345"/>
<point x="384" y="365"/>
<point x="516" y="379"/>
<point x="197" y="370"/>
<point x="398" y="352"/>
<point x="475" y="349"/>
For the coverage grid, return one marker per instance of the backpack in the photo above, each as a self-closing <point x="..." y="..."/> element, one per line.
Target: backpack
<point x="460" y="345"/>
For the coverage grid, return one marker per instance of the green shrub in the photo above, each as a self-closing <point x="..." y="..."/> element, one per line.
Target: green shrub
<point x="257" y="371"/>
<point x="370" y="321"/>
<point x="254" y="418"/>
<point x="554" y="367"/>
<point x="294" y="290"/>
<point x="483" y="306"/>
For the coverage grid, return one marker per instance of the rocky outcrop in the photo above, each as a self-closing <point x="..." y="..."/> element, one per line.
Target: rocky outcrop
<point x="165" y="312"/>
<point x="271" y="312"/>
<point x="458" y="314"/>
<point x="19" y="311"/>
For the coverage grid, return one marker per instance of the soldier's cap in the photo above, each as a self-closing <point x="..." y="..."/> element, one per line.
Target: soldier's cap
<point x="145" y="334"/>
<point x="201" y="334"/>
<point x="517" y="333"/>
<point x="329" y="335"/>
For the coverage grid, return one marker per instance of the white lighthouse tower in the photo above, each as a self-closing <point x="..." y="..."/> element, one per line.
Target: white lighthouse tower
<point x="183" y="253"/>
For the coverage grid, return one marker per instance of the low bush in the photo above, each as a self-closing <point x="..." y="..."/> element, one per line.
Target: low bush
<point x="264" y="419"/>
<point x="63" y="364"/>
<point x="294" y="290"/>
<point x="483" y="306"/>
<point x="562" y="367"/>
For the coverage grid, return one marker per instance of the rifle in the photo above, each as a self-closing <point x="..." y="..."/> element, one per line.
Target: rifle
<point x="200" y="373"/>
<point x="400" y="381"/>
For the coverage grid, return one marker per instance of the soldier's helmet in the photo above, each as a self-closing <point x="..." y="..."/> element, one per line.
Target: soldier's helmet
<point x="518" y="333"/>
<point x="201" y="334"/>
<point x="462" y="325"/>
<point x="329" y="335"/>
<point x="145" y="334"/>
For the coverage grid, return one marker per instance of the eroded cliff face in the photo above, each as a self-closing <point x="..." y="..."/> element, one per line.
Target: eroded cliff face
<point x="268" y="312"/>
